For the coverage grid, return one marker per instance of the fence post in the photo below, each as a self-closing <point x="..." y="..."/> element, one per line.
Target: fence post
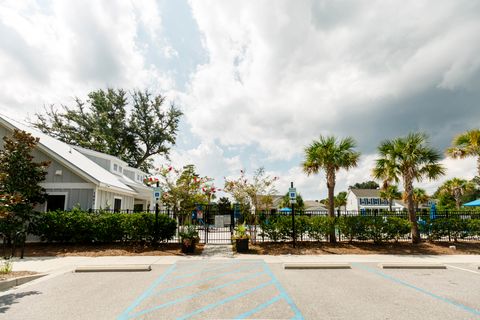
<point x="338" y="216"/>
<point x="232" y="221"/>
<point x="448" y="225"/>
<point x="205" y="223"/>
<point x="155" y="239"/>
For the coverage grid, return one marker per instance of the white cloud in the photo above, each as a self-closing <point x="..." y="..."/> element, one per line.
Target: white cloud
<point x="51" y="53"/>
<point x="279" y="73"/>
<point x="282" y="72"/>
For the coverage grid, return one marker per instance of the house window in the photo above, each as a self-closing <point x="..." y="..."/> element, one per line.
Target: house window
<point x="56" y="202"/>
<point x="115" y="167"/>
<point x="120" y="169"/>
<point x="117" y="204"/>
<point x="375" y="201"/>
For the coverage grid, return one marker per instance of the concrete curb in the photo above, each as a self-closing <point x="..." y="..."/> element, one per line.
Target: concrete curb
<point x="115" y="268"/>
<point x="412" y="266"/>
<point x="10" y="283"/>
<point x="310" y="266"/>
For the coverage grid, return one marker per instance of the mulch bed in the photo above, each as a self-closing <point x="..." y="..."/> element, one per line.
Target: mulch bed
<point x="424" y="248"/>
<point x="15" y="274"/>
<point x="98" y="250"/>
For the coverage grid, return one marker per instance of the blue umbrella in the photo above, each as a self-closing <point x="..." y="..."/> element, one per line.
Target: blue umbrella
<point x="475" y="203"/>
<point x="285" y="210"/>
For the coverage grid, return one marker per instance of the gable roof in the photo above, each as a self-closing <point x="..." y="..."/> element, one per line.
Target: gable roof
<point x="367" y="193"/>
<point x="71" y="158"/>
<point x="314" y="205"/>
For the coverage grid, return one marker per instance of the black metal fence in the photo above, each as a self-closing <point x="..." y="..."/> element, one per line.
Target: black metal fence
<point x="217" y="226"/>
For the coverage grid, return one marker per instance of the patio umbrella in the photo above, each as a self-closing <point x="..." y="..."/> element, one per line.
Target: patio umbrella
<point x="475" y="203"/>
<point x="286" y="209"/>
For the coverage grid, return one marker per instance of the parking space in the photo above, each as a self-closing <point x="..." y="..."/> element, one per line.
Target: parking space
<point x="368" y="292"/>
<point x="234" y="289"/>
<point x="245" y="289"/>
<point x="77" y="296"/>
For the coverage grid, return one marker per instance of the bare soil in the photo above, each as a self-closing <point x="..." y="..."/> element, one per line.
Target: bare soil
<point x="424" y="248"/>
<point x="98" y="250"/>
<point x="15" y="274"/>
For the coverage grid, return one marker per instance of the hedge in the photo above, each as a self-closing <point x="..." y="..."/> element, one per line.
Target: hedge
<point x="376" y="228"/>
<point x="78" y="226"/>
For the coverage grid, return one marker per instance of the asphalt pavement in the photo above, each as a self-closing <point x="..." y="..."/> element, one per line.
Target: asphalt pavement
<point x="233" y="288"/>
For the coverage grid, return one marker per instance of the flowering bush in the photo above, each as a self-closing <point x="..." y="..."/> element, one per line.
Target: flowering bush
<point x="184" y="188"/>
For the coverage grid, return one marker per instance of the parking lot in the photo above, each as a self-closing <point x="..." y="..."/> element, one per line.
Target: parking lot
<point x="243" y="289"/>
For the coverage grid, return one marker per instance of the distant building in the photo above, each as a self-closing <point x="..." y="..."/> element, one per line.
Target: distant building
<point x="368" y="199"/>
<point x="314" y="205"/>
<point x="79" y="177"/>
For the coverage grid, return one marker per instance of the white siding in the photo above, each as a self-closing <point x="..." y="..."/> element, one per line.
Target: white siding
<point x="105" y="199"/>
<point x="352" y="201"/>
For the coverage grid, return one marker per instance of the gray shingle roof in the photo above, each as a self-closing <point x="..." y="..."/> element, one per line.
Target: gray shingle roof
<point x="367" y="193"/>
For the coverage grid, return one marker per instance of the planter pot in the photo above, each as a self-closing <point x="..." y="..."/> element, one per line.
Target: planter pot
<point x="188" y="246"/>
<point x="241" y="245"/>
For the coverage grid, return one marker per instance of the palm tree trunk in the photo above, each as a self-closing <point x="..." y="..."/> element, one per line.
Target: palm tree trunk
<point x="408" y="185"/>
<point x="331" y="200"/>
<point x="390" y="204"/>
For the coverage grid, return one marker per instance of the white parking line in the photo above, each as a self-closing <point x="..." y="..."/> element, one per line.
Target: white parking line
<point x="468" y="270"/>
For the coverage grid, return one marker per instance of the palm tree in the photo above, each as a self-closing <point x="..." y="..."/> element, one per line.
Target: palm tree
<point x="465" y="145"/>
<point x="457" y="188"/>
<point x="330" y="155"/>
<point x="410" y="159"/>
<point x="390" y="193"/>
<point x="419" y="196"/>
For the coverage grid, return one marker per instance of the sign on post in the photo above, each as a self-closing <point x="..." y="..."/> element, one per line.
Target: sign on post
<point x="157" y="192"/>
<point x="292" y="192"/>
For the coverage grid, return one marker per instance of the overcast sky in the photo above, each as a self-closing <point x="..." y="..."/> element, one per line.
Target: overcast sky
<point x="258" y="80"/>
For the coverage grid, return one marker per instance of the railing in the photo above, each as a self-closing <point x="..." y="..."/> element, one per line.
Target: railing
<point x="433" y="225"/>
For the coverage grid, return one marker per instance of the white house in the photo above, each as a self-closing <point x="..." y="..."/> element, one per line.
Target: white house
<point x="369" y="199"/>
<point x="79" y="177"/>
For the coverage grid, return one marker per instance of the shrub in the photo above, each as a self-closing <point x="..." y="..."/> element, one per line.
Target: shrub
<point x="166" y="227"/>
<point x="353" y="227"/>
<point x="474" y="227"/>
<point x="52" y="226"/>
<point x="375" y="228"/>
<point x="455" y="226"/>
<point x="269" y="229"/>
<point x="320" y="227"/>
<point x="396" y="228"/>
<point x="284" y="226"/>
<point x="302" y="226"/>
<point x="82" y="227"/>
<point x="109" y="228"/>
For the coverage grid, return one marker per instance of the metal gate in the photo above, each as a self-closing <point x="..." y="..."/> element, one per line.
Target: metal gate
<point x="218" y="225"/>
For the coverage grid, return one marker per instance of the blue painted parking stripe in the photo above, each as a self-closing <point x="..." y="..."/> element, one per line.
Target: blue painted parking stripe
<point x="428" y="293"/>
<point x="298" y="315"/>
<point x="223" y="301"/>
<point x="185" y="298"/>
<point x="259" y="308"/>
<point x="158" y="293"/>
<point x="148" y="292"/>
